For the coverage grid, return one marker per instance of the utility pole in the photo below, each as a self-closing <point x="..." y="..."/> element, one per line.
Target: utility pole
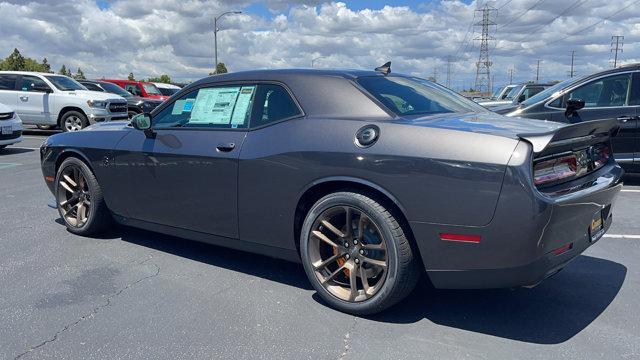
<point x="538" y="71"/>
<point x="616" y="45"/>
<point x="215" y="37"/>
<point x="483" y="66"/>
<point x="511" y="76"/>
<point x="571" y="72"/>
<point x="435" y="74"/>
<point x="449" y="60"/>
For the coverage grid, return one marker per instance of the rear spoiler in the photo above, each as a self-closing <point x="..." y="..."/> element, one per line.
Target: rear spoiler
<point x="573" y="133"/>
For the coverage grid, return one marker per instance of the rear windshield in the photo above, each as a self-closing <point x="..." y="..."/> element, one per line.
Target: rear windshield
<point x="414" y="96"/>
<point x="115" y="89"/>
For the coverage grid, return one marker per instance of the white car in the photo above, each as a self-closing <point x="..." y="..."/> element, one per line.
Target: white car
<point x="53" y="100"/>
<point x="167" y="89"/>
<point x="10" y="127"/>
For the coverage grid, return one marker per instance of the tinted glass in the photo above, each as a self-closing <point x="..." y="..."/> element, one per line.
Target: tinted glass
<point x="634" y="97"/>
<point x="133" y="89"/>
<point x="29" y="82"/>
<point x="514" y="92"/>
<point x="168" y="92"/>
<point x="115" y="89"/>
<point x="64" y="83"/>
<point x="8" y="81"/>
<point x="415" y="96"/>
<point x="550" y="91"/>
<point x="273" y="103"/>
<point x="610" y="91"/>
<point x="92" y="86"/>
<point x="227" y="107"/>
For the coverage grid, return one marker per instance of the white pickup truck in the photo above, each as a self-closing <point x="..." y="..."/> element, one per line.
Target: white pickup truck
<point x="51" y="100"/>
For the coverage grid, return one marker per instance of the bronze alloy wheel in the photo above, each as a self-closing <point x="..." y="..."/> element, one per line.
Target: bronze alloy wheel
<point x="348" y="253"/>
<point x="74" y="199"/>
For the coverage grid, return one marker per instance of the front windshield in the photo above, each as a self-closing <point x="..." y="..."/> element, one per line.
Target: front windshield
<point x="514" y="92"/>
<point x="151" y="89"/>
<point x="115" y="89"/>
<point x="414" y="96"/>
<point x="64" y="83"/>
<point x="550" y="91"/>
<point x="497" y="93"/>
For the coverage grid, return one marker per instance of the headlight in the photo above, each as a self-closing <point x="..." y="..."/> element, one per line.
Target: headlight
<point x="97" y="104"/>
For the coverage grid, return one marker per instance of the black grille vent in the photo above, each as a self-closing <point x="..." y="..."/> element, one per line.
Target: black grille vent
<point x="118" y="108"/>
<point x="15" y="135"/>
<point x="6" y="116"/>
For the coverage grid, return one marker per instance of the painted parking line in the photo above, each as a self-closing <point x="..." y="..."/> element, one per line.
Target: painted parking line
<point x="8" y="165"/>
<point x="631" y="190"/>
<point x="23" y="147"/>
<point x="620" y="236"/>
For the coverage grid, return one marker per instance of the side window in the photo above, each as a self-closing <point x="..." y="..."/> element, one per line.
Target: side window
<point x="634" y="97"/>
<point x="273" y="103"/>
<point x="133" y="89"/>
<point x="30" y="82"/>
<point x="225" y="107"/>
<point x="606" y="92"/>
<point x="92" y="87"/>
<point x="8" y="81"/>
<point x="534" y="90"/>
<point x="557" y="103"/>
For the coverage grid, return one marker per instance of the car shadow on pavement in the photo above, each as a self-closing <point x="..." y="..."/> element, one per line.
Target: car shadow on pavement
<point x="550" y="313"/>
<point x="251" y="264"/>
<point x="631" y="179"/>
<point x="13" y="151"/>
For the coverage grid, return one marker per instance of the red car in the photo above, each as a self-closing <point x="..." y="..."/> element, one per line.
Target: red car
<point x="139" y="88"/>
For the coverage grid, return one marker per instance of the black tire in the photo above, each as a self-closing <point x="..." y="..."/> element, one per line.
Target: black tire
<point x="73" y="121"/>
<point x="2" y="146"/>
<point x="403" y="269"/>
<point x="99" y="217"/>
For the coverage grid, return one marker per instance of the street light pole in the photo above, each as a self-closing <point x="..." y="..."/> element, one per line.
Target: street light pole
<point x="215" y="36"/>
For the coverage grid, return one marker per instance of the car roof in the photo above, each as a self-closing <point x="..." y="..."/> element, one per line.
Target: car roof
<point x="29" y="73"/>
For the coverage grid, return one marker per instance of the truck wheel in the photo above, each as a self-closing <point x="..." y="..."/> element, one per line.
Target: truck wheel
<point x="73" y="121"/>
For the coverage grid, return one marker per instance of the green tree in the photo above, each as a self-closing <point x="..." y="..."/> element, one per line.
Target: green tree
<point x="131" y="77"/>
<point x="15" y="61"/>
<point x="221" y="68"/>
<point x="79" y="75"/>
<point x="63" y="70"/>
<point x="164" y="78"/>
<point x="46" y="67"/>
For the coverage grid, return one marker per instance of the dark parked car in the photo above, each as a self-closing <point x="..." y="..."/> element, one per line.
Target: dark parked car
<point x="367" y="178"/>
<point x="135" y="104"/>
<point x="610" y="94"/>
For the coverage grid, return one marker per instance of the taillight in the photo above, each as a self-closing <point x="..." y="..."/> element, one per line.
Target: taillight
<point x="601" y="155"/>
<point x="552" y="170"/>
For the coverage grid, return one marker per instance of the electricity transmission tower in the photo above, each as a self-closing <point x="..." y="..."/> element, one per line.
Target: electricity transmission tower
<point x="511" y="75"/>
<point x="572" y="73"/>
<point x="483" y="66"/>
<point x="538" y="71"/>
<point x="449" y="60"/>
<point x="616" y="45"/>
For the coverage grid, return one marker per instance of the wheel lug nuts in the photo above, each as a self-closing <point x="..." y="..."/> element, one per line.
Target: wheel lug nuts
<point x="347" y="256"/>
<point x="346" y="244"/>
<point x="355" y="242"/>
<point x="361" y="252"/>
<point x="357" y="261"/>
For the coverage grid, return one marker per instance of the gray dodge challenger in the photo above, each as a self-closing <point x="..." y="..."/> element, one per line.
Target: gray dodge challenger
<point x="368" y="178"/>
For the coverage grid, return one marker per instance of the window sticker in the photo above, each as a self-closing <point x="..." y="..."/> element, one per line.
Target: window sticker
<point x="178" y="107"/>
<point x="188" y="105"/>
<point x="214" y="106"/>
<point x="242" y="106"/>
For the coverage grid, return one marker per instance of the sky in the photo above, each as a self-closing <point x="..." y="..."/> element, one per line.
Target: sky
<point x="111" y="38"/>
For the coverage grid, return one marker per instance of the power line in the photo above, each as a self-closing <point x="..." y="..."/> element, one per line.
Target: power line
<point x="616" y="40"/>
<point x="505" y="4"/>
<point x="522" y="14"/>
<point x="573" y="6"/>
<point x="585" y="28"/>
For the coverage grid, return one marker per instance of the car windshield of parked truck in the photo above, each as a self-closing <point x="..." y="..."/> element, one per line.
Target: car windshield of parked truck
<point x="64" y="83"/>
<point x="151" y="89"/>
<point x="115" y="89"/>
<point x="415" y="96"/>
<point x="514" y="92"/>
<point x="551" y="90"/>
<point x="168" y="91"/>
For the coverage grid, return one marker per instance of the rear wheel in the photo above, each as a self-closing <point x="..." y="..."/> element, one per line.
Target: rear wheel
<point x="73" y="121"/>
<point x="79" y="199"/>
<point x="356" y="254"/>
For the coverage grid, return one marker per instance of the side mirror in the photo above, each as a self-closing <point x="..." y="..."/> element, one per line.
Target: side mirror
<point x="143" y="122"/>
<point x="40" y="88"/>
<point x="573" y="105"/>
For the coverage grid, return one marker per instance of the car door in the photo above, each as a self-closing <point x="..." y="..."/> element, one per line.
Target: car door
<point x="185" y="175"/>
<point x="33" y="103"/>
<point x="8" y="92"/>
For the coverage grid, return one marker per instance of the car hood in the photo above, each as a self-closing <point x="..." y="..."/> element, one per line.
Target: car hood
<point x="95" y="95"/>
<point x="118" y="125"/>
<point x="5" y="109"/>
<point x="485" y="123"/>
<point x="491" y="104"/>
<point x="503" y="109"/>
<point x="140" y="99"/>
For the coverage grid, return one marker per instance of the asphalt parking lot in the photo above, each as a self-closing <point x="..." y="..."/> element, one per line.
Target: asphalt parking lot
<point x="133" y="294"/>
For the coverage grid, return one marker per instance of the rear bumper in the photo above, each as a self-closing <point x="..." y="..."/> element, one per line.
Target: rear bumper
<point x="517" y="247"/>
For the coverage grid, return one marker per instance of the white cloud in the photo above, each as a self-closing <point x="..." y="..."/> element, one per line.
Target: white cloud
<point x="153" y="37"/>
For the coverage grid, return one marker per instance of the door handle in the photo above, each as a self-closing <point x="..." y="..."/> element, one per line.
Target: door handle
<point x="24" y="98"/>
<point x="624" y="119"/>
<point x="225" y="147"/>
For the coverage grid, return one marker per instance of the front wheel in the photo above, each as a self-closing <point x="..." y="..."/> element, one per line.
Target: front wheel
<point x="73" y="121"/>
<point x="356" y="254"/>
<point x="79" y="199"/>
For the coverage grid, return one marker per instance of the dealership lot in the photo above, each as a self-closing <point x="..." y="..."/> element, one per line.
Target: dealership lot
<point x="134" y="294"/>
